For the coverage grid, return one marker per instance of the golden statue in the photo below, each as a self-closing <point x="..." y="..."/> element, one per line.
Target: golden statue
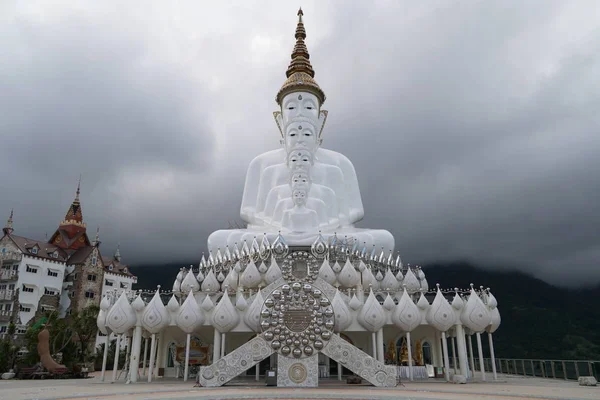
<point x="404" y="352"/>
<point x="419" y="351"/>
<point x="390" y="354"/>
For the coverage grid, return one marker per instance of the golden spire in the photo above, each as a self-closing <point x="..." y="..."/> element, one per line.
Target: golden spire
<point x="300" y="73"/>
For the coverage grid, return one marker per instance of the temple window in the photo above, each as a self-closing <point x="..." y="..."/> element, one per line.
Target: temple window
<point x="89" y="295"/>
<point x="94" y="260"/>
<point x="91" y="277"/>
<point x="427" y="353"/>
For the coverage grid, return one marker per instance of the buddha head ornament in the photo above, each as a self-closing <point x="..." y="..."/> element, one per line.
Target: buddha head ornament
<point x="300" y="136"/>
<point x="300" y="96"/>
<point x="299" y="197"/>
<point x="299" y="161"/>
<point x="300" y="180"/>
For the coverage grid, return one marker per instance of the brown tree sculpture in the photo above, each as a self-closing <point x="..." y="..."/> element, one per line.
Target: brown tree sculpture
<point x="44" y="352"/>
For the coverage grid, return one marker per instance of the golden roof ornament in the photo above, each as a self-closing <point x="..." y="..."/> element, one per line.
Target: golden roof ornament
<point x="300" y="74"/>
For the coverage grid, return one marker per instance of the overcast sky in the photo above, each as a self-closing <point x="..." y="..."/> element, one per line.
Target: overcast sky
<point x="473" y="125"/>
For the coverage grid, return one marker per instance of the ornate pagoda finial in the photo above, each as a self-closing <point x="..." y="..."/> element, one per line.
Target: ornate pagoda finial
<point x="118" y="253"/>
<point x="300" y="73"/>
<point x="78" y="189"/>
<point x="8" y="229"/>
<point x="96" y="241"/>
<point x="74" y="215"/>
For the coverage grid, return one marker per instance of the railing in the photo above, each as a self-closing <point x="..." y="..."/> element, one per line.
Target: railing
<point x="10" y="256"/>
<point x="5" y="315"/>
<point x="554" y="369"/>
<point x="8" y="274"/>
<point x="7" y="294"/>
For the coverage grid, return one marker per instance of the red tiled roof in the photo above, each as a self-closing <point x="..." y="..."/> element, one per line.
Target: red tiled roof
<point x="45" y="249"/>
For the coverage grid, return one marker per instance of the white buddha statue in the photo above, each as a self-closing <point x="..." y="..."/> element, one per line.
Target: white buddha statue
<point x="334" y="196"/>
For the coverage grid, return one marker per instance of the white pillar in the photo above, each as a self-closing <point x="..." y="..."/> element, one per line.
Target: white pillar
<point x="462" y="351"/>
<point x="493" y="356"/>
<point x="438" y="350"/>
<point x="159" y="353"/>
<point x="222" y="345"/>
<point x="446" y="358"/>
<point x="216" y="347"/>
<point x="116" y="363"/>
<point x="409" y="347"/>
<point x="471" y="357"/>
<point x="339" y="367"/>
<point x="145" y="355"/>
<point x="187" y="358"/>
<point x="454" y="360"/>
<point x="374" y="343"/>
<point x="380" y="355"/>
<point x="105" y="356"/>
<point x="152" y="355"/>
<point x="480" y="350"/>
<point x="134" y="363"/>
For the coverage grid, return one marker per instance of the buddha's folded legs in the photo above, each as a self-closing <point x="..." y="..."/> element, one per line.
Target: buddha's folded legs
<point x="366" y="237"/>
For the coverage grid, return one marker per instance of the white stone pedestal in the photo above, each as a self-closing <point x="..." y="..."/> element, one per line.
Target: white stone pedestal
<point x="298" y="372"/>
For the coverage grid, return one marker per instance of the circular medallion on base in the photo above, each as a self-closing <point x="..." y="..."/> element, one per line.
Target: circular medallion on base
<point x="297" y="373"/>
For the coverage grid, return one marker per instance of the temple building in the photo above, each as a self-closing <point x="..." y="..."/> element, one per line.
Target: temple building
<point x="63" y="274"/>
<point x="301" y="294"/>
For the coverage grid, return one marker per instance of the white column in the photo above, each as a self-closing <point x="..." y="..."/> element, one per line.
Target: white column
<point x="152" y="355"/>
<point x="380" y="355"/>
<point x="159" y="353"/>
<point x="105" y="356"/>
<point x="134" y="358"/>
<point x="446" y="358"/>
<point x="454" y="360"/>
<point x="223" y="345"/>
<point x="462" y="351"/>
<point x="409" y="347"/>
<point x="374" y="343"/>
<point x="480" y="350"/>
<point x="493" y="356"/>
<point x="187" y="358"/>
<point x="216" y="346"/>
<point x="145" y="355"/>
<point x="471" y="357"/>
<point x="339" y="367"/>
<point x="116" y="363"/>
<point x="438" y="350"/>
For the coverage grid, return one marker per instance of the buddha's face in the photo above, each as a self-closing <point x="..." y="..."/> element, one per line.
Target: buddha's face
<point x="300" y="136"/>
<point x="300" y="107"/>
<point x="299" y="160"/>
<point x="300" y="180"/>
<point x="299" y="197"/>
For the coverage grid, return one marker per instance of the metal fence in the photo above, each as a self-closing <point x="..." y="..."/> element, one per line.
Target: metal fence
<point x="556" y="369"/>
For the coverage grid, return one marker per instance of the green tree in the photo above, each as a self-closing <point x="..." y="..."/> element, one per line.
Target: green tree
<point x="8" y="350"/>
<point x="83" y="324"/>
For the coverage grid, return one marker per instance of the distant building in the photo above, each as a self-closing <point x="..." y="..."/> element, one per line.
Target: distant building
<point x="64" y="274"/>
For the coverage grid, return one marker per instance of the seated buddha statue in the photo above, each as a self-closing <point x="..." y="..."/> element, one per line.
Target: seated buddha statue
<point x="320" y="199"/>
<point x="334" y="195"/>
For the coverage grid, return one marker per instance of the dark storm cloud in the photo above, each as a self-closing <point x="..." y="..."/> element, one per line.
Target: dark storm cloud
<point x="472" y="125"/>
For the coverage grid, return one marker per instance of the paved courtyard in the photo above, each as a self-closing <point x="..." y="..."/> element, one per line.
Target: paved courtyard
<point x="506" y="388"/>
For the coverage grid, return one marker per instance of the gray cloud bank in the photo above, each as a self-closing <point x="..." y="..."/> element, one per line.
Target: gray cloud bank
<point x="473" y="126"/>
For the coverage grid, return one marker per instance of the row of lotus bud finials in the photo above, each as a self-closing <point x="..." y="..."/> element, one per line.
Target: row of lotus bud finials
<point x="334" y="249"/>
<point x="476" y="310"/>
<point x="347" y="275"/>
